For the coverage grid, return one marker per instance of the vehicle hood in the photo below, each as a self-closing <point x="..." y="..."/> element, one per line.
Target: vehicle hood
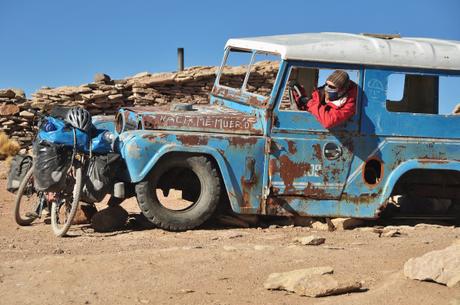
<point x="205" y="118"/>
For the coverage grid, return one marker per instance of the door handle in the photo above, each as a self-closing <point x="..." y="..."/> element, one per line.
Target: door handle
<point x="332" y="151"/>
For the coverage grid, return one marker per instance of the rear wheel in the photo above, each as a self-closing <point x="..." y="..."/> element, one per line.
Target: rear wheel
<point x="27" y="201"/>
<point x="64" y="207"/>
<point x="181" y="193"/>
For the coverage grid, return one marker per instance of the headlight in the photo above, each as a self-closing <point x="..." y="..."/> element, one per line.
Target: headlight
<point x="126" y="120"/>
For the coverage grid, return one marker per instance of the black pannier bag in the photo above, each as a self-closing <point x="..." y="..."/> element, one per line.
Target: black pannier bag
<point x="20" y="165"/>
<point x="51" y="164"/>
<point x="101" y="173"/>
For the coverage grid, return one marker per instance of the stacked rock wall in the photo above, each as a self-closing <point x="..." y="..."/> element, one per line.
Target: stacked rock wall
<point x="105" y="96"/>
<point x="16" y="116"/>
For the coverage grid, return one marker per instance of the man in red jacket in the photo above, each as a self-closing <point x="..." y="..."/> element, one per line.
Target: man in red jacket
<point x="331" y="104"/>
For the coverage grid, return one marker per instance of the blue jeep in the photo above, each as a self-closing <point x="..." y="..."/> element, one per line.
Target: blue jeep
<point x="253" y="147"/>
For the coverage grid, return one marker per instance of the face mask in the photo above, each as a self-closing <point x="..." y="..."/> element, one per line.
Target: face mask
<point x="333" y="94"/>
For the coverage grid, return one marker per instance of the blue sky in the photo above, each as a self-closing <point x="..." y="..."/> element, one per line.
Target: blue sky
<point x="55" y="43"/>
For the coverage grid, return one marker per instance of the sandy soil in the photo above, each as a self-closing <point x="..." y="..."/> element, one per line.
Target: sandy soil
<point x="208" y="266"/>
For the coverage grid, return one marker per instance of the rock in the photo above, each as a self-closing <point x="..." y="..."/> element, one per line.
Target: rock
<point x="391" y="233"/>
<point x="347" y="223"/>
<point x="26" y="114"/>
<point x="455" y="301"/>
<point x="311" y="240"/>
<point x="101" y="77"/>
<point x="109" y="219"/>
<point x="454" y="282"/>
<point x="115" y="96"/>
<point x="441" y="266"/>
<point x="84" y="214"/>
<point x="288" y="280"/>
<point x="8" y="109"/>
<point x="19" y="92"/>
<point x="312" y="282"/>
<point x="7" y="93"/>
<point x="318" y="225"/>
<point x="8" y="123"/>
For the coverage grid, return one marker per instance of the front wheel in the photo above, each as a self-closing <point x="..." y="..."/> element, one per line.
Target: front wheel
<point x="27" y="201"/>
<point x="64" y="207"/>
<point x="181" y="193"/>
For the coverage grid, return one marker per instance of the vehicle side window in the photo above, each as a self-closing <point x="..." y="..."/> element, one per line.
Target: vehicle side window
<point x="416" y="93"/>
<point x="310" y="79"/>
<point x="258" y="79"/>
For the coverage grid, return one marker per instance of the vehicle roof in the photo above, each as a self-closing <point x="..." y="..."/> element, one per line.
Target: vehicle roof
<point x="358" y="49"/>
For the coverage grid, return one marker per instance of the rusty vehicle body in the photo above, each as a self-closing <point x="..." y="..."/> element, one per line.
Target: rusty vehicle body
<point x="276" y="161"/>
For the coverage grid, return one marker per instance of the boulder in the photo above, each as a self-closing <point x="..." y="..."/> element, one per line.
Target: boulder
<point x="109" y="219"/>
<point x="441" y="266"/>
<point x="312" y="282"/>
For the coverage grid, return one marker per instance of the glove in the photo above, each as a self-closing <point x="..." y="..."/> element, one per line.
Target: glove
<point x="299" y="95"/>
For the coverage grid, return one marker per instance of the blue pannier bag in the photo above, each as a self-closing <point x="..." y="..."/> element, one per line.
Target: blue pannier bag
<point x="62" y="133"/>
<point x="57" y="131"/>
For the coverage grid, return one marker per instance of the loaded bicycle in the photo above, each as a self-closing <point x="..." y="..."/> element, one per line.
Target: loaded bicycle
<point x="66" y="146"/>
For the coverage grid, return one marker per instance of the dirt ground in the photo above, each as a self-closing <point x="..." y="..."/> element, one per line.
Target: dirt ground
<point x="208" y="266"/>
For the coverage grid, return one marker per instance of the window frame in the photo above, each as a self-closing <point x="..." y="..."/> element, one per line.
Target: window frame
<point x="243" y="89"/>
<point x="351" y="126"/>
<point x="419" y="73"/>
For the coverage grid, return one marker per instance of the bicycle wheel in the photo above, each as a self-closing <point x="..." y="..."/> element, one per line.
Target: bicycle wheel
<point x="27" y="202"/>
<point x="63" y="209"/>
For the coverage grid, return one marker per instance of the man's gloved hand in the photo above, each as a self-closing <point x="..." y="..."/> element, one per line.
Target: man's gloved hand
<point x="299" y="95"/>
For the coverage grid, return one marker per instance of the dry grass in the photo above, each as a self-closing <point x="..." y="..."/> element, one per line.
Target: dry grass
<point x="8" y="147"/>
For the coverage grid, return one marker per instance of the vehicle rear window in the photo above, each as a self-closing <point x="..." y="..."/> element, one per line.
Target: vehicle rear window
<point x="417" y="93"/>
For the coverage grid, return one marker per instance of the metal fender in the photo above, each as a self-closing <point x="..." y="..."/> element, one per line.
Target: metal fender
<point x="137" y="176"/>
<point x="416" y="164"/>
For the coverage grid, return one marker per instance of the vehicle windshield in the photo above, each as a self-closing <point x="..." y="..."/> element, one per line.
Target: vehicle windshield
<point x="248" y="75"/>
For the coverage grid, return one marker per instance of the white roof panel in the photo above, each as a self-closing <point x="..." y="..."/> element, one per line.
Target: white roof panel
<point x="358" y="49"/>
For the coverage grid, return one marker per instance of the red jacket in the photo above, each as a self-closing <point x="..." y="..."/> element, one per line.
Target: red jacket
<point x="334" y="112"/>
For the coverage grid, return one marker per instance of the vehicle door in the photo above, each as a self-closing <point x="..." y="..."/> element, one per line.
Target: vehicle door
<point x="305" y="159"/>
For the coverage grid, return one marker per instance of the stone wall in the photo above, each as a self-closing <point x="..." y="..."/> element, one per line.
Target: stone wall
<point x="16" y="117"/>
<point x="105" y="96"/>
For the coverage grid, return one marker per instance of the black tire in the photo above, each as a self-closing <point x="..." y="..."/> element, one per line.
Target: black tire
<point x="202" y="207"/>
<point x="26" y="200"/>
<point x="70" y="204"/>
